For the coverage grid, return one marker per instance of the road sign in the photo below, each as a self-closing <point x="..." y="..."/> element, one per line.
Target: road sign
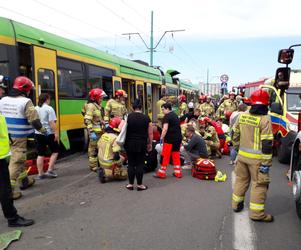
<point x="224" y="78"/>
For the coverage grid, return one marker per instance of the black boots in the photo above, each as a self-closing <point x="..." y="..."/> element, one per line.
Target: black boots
<point x="26" y="183"/>
<point x="19" y="221"/>
<point x="240" y="207"/>
<point x="101" y="175"/>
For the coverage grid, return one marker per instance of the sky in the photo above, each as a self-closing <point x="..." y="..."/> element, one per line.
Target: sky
<point x="240" y="38"/>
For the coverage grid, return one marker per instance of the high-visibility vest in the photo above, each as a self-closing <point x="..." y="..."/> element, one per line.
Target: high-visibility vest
<point x="13" y="109"/>
<point x="4" y="139"/>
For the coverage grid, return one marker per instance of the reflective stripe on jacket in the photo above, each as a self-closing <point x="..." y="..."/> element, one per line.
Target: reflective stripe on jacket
<point x="14" y="109"/>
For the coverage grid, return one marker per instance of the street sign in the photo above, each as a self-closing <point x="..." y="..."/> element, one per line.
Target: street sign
<point x="224" y="78"/>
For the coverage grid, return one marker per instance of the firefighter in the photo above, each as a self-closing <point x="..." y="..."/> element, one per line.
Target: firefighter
<point x="183" y="108"/>
<point x="21" y="118"/>
<point x="3" y="87"/>
<point x="207" y="108"/>
<point x="210" y="136"/>
<point x="93" y="120"/>
<point x="160" y="114"/>
<point x="109" y="157"/>
<point x="227" y="107"/>
<point x="252" y="136"/>
<point x="202" y="99"/>
<point x="116" y="107"/>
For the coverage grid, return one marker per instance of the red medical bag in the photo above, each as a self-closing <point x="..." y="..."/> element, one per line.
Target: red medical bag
<point x="204" y="169"/>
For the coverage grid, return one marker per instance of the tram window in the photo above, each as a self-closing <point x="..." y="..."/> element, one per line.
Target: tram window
<point x="140" y="93"/>
<point x="71" y="84"/>
<point x="71" y="80"/>
<point x="4" y="69"/>
<point x="117" y="84"/>
<point x="107" y="87"/>
<point x="96" y="76"/>
<point x="46" y="82"/>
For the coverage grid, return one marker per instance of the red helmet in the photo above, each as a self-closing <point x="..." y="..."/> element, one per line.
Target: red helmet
<point x="23" y="84"/>
<point x="114" y="123"/>
<point x="247" y="100"/>
<point x="260" y="96"/>
<point x="96" y="94"/>
<point x="202" y="121"/>
<point x="182" y="98"/>
<point x="228" y="114"/>
<point x="202" y="98"/>
<point x="120" y="93"/>
<point x="231" y="93"/>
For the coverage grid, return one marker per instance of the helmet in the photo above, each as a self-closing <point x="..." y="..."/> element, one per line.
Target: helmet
<point x="260" y="96"/>
<point x="190" y="105"/>
<point x="247" y="100"/>
<point x="202" y="98"/>
<point x="182" y="98"/>
<point x="228" y="114"/>
<point x="238" y="98"/>
<point x="120" y="93"/>
<point x="114" y="123"/>
<point x="208" y="97"/>
<point x="23" y="84"/>
<point x="207" y="119"/>
<point x="96" y="94"/>
<point x="202" y="122"/>
<point x="231" y="93"/>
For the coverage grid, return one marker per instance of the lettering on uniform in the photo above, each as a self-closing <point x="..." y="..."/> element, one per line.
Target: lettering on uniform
<point x="249" y="120"/>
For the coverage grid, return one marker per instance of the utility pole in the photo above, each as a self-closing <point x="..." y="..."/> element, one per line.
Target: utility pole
<point x="152" y="48"/>
<point x="152" y="40"/>
<point x="207" y="81"/>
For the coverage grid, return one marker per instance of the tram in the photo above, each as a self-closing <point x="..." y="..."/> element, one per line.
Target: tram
<point x="67" y="70"/>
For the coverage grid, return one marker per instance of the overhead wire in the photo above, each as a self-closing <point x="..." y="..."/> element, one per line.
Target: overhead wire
<point x="86" y="23"/>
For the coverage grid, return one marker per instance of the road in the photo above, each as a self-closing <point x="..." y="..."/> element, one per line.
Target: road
<point x="75" y="211"/>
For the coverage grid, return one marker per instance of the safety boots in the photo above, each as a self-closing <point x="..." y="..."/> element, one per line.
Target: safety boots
<point x="266" y="218"/>
<point x="26" y="183"/>
<point x="239" y="208"/>
<point x="101" y="175"/>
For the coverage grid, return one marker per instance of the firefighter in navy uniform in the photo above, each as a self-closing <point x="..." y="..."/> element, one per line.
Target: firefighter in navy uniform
<point x="93" y="120"/>
<point x="252" y="136"/>
<point x="116" y="107"/>
<point x="21" y="118"/>
<point x="7" y="203"/>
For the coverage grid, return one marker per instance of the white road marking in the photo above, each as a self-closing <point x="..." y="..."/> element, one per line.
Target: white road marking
<point x="244" y="233"/>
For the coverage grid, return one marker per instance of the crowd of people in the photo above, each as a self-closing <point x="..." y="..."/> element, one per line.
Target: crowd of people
<point x="119" y="143"/>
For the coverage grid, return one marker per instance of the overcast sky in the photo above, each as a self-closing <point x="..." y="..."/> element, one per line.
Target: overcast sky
<point x="240" y="38"/>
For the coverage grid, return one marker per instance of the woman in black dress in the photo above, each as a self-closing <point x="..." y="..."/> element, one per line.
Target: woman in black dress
<point x="139" y="137"/>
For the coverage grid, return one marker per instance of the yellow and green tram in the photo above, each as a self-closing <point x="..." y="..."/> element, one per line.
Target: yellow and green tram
<point x="67" y="70"/>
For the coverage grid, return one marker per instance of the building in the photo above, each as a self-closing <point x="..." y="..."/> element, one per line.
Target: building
<point x="213" y="88"/>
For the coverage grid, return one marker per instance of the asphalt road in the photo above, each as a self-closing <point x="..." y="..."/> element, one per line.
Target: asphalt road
<point x="75" y="211"/>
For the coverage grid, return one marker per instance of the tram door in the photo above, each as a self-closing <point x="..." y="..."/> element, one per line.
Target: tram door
<point x="148" y="100"/>
<point x="140" y="94"/>
<point x="45" y="72"/>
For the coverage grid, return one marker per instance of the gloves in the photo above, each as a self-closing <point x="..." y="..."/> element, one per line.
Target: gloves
<point x="264" y="169"/>
<point x="106" y="125"/>
<point x="161" y="141"/>
<point x="93" y="136"/>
